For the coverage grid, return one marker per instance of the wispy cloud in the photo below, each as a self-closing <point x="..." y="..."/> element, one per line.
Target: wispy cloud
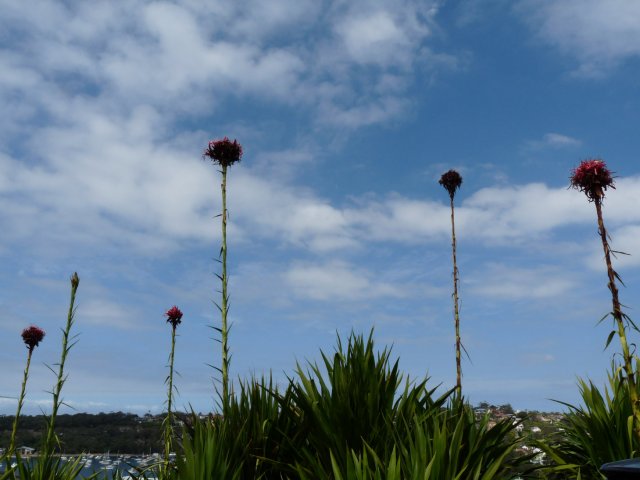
<point x="337" y="280"/>
<point x="509" y="282"/>
<point x="599" y="35"/>
<point x="554" y="141"/>
<point x="170" y="58"/>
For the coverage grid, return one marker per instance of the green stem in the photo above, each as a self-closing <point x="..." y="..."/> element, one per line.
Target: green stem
<point x="12" y="442"/>
<point x="168" y="428"/>
<point x="619" y="319"/>
<point x="455" y="303"/>
<point x="48" y="444"/>
<point x="225" y="305"/>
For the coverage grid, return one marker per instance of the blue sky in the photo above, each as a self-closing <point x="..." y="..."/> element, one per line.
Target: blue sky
<point x="348" y="112"/>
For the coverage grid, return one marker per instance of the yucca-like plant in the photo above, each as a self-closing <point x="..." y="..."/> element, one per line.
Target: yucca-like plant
<point x="451" y="181"/>
<point x="457" y="445"/>
<point x="355" y="398"/>
<point x="592" y="177"/>
<point x="432" y="456"/>
<point x="450" y="445"/>
<point x="599" y="432"/>
<point x="31" y="336"/>
<point x="251" y="440"/>
<point x="224" y="153"/>
<point x="174" y="318"/>
<point x="360" y="465"/>
<point x="210" y="450"/>
<point x="357" y="422"/>
<point x="262" y="416"/>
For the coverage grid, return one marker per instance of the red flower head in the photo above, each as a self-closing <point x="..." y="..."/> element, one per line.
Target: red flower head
<point x="451" y="181"/>
<point x="32" y="336"/>
<point x="224" y="152"/>
<point x="592" y="177"/>
<point x="174" y="316"/>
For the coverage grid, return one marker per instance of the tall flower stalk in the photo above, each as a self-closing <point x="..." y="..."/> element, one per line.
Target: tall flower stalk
<point x="174" y="317"/>
<point x="31" y="336"/>
<point x="451" y="181"/>
<point x="593" y="178"/>
<point x="67" y="343"/>
<point x="224" y="153"/>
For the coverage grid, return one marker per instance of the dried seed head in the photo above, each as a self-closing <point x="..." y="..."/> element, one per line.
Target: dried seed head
<point x="592" y="177"/>
<point x="223" y="152"/>
<point x="451" y="181"/>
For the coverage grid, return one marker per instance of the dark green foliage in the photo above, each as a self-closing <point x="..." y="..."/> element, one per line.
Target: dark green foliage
<point x="450" y="445"/>
<point x="354" y="400"/>
<point x="249" y="442"/>
<point x="458" y="445"/>
<point x="599" y="432"/>
<point x="353" y="418"/>
<point x="211" y="450"/>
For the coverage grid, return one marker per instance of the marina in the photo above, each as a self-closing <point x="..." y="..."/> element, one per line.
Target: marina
<point x="129" y="466"/>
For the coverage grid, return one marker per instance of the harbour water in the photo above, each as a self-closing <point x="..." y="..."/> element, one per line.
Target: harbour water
<point x="107" y="464"/>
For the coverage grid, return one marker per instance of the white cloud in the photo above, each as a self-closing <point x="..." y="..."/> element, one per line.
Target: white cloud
<point x="116" y="183"/>
<point x="626" y="240"/>
<point x="598" y="34"/>
<point x="496" y="215"/>
<point x="400" y="219"/>
<point x="337" y="280"/>
<point x="508" y="282"/>
<point x="537" y="358"/>
<point x="519" y="212"/>
<point x="559" y="140"/>
<point x="110" y="314"/>
<point x="293" y="215"/>
<point x="360" y="115"/>
<point x="96" y="155"/>
<point x="101" y="178"/>
<point x="374" y="38"/>
<point x="186" y="58"/>
<point x="554" y="140"/>
<point x="256" y="20"/>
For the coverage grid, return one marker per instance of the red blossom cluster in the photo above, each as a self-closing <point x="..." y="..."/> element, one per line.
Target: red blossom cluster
<point x="174" y="316"/>
<point x="592" y="177"/>
<point x="32" y="336"/>
<point x="224" y="152"/>
<point x="451" y="181"/>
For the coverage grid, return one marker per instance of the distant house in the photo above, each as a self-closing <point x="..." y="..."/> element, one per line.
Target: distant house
<point x="23" y="451"/>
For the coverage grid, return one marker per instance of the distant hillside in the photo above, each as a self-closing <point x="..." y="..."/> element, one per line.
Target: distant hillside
<point x="103" y="432"/>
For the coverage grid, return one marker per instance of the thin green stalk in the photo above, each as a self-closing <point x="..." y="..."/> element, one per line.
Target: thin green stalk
<point x="451" y="181"/>
<point x="168" y="427"/>
<point x="224" y="153"/>
<point x="12" y="442"/>
<point x="66" y="347"/>
<point x="225" y="298"/>
<point x="619" y="319"/>
<point x="456" y="310"/>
